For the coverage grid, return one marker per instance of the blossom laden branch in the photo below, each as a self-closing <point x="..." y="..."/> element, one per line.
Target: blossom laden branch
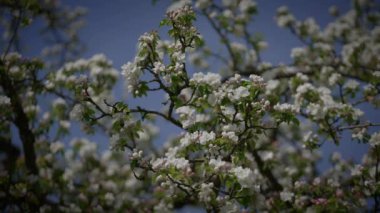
<point x="358" y="126"/>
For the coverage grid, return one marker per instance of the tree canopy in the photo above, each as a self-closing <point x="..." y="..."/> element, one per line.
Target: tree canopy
<point x="251" y="131"/>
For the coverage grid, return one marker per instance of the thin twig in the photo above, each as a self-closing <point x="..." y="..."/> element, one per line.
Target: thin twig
<point x="365" y="125"/>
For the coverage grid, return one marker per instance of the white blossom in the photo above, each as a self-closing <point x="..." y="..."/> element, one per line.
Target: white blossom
<point x="202" y="4"/>
<point x="334" y="78"/>
<point x="4" y="100"/>
<point x="246" y="5"/>
<point x="357" y="170"/>
<point x="298" y="52"/>
<point x="244" y="176"/>
<point x="212" y="79"/>
<point x="351" y="84"/>
<point x="286" y="196"/>
<point x="376" y="74"/>
<point x="206" y="192"/>
<point x="271" y="86"/>
<point x="267" y="155"/>
<point x="132" y="74"/>
<point x="310" y="137"/>
<point x="219" y="165"/>
<point x="180" y="163"/>
<point x="170" y="159"/>
<point x="158" y="67"/>
<point x="109" y="198"/>
<point x="201" y="137"/>
<point x="239" y="93"/>
<point x="205" y="137"/>
<point x="64" y="124"/>
<point x="59" y="102"/>
<point x="256" y="79"/>
<point x="285" y="107"/>
<point x="189" y="116"/>
<point x="230" y="135"/>
<point x="56" y="147"/>
<point x="359" y="133"/>
<point x="375" y="139"/>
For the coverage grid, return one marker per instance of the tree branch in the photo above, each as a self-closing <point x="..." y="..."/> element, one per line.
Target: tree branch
<point x="365" y="125"/>
<point x="21" y="120"/>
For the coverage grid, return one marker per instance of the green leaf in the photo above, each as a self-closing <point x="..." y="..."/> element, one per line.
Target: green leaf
<point x="165" y="22"/>
<point x="198" y="41"/>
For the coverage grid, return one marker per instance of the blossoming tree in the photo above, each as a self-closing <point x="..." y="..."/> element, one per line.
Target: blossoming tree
<point x="249" y="140"/>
